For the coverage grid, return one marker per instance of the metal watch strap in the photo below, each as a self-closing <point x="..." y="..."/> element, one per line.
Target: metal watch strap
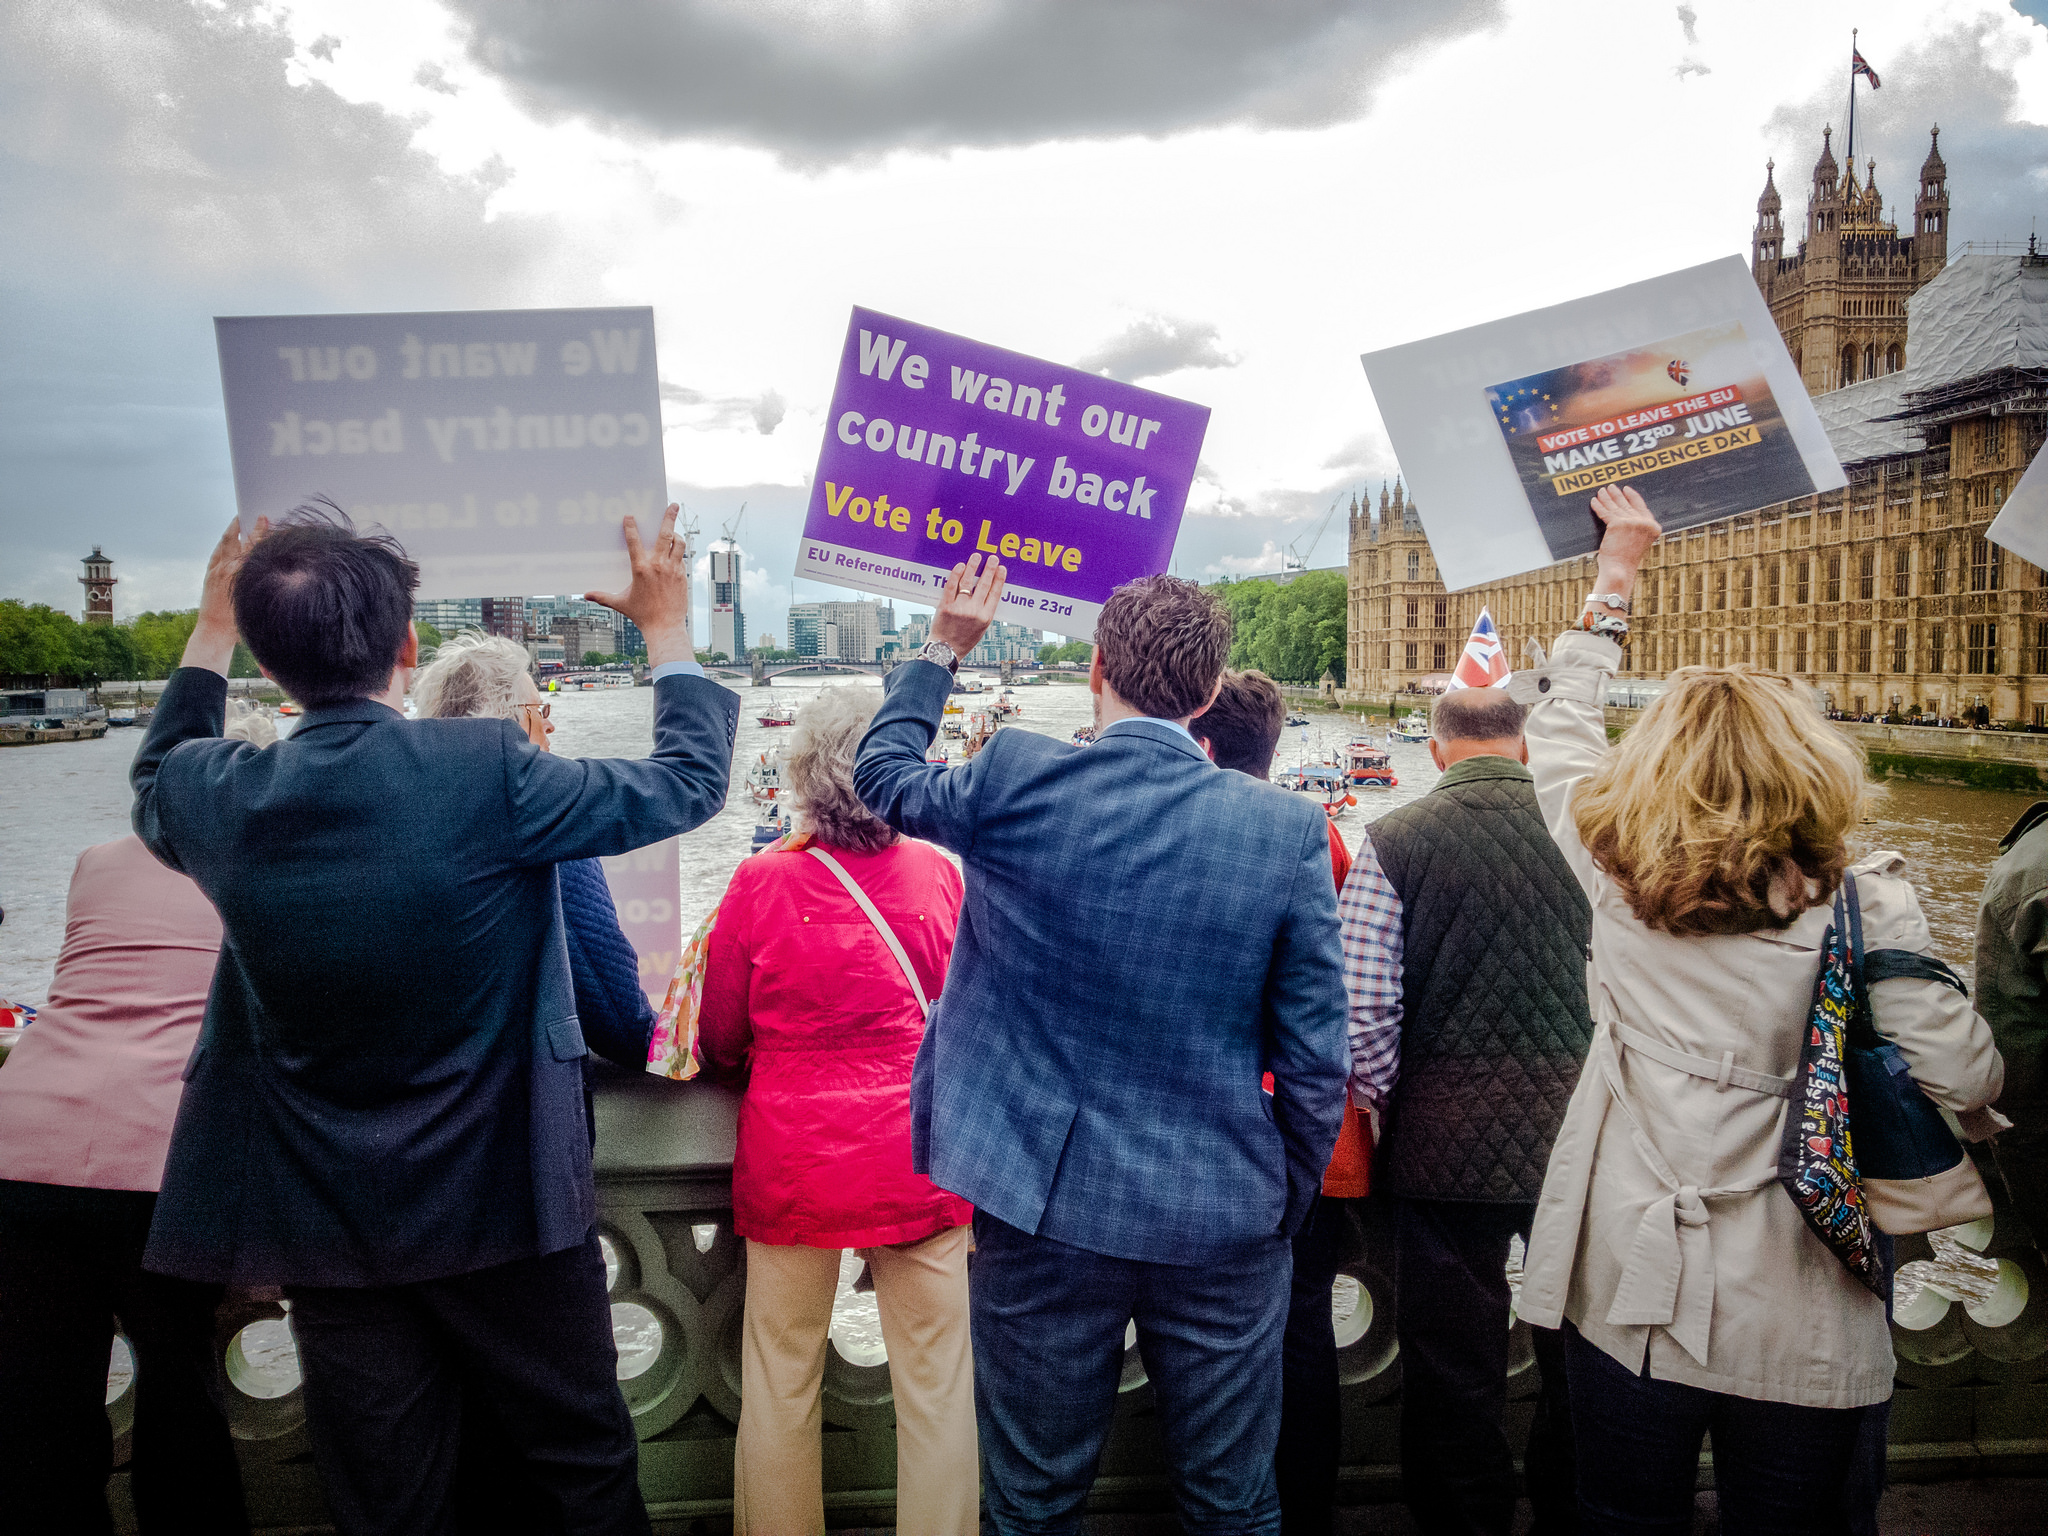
<point x="1612" y="599"/>
<point x="941" y="653"/>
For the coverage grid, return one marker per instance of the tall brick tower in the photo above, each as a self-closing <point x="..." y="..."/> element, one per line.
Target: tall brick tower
<point x="98" y="581"/>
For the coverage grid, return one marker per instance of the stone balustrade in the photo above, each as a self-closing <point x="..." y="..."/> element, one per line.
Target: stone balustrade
<point x="1972" y="1394"/>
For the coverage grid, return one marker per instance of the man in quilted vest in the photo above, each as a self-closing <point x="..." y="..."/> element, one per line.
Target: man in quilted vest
<point x="1465" y="949"/>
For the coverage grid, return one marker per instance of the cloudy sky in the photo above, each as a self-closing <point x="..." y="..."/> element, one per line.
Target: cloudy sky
<point x="1226" y="201"/>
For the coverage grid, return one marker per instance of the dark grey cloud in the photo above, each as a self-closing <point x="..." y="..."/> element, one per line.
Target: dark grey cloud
<point x="1964" y="80"/>
<point x="158" y="168"/>
<point x="933" y="74"/>
<point x="1155" y="345"/>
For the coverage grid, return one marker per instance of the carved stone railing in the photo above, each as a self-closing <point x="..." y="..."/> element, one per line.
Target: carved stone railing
<point x="1972" y="1394"/>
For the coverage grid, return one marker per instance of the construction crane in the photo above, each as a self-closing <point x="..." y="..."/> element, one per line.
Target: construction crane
<point x="1297" y="559"/>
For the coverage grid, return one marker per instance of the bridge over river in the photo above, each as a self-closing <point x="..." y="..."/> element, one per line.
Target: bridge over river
<point x="1972" y="1396"/>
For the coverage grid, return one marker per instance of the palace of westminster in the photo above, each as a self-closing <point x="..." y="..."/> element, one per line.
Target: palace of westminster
<point x="1931" y="377"/>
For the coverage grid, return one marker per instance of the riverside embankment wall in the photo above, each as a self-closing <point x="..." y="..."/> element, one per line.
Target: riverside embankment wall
<point x="1976" y="759"/>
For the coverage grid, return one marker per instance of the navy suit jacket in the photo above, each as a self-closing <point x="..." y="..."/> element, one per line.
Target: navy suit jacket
<point x="1144" y="936"/>
<point x="388" y="1086"/>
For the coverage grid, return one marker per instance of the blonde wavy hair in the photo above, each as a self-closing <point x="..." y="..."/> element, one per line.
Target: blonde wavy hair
<point x="1727" y="807"/>
<point x="818" y="766"/>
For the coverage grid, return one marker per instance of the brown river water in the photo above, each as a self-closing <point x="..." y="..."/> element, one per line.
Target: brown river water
<point x="58" y="799"/>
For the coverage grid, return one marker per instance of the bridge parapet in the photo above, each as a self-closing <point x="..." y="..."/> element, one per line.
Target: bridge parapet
<point x="1972" y="1396"/>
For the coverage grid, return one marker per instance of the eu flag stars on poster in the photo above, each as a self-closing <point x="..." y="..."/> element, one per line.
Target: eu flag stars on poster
<point x="1525" y="408"/>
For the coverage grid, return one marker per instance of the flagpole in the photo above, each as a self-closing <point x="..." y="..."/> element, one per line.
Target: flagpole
<point x="1852" y="100"/>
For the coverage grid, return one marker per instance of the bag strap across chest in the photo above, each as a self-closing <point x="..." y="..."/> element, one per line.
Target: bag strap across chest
<point x="881" y="925"/>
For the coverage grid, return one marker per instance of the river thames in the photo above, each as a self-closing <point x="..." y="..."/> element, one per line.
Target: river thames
<point x="60" y="798"/>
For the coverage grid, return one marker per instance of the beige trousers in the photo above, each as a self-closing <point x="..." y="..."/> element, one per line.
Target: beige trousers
<point x="921" y="1291"/>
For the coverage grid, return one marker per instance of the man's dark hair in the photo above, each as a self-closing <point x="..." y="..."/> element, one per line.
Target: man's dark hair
<point x="1243" y="726"/>
<point x="1476" y="714"/>
<point x="1163" y="644"/>
<point x="325" y="609"/>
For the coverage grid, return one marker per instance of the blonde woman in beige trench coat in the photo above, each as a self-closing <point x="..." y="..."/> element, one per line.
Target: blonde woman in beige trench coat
<point x="1692" y="1294"/>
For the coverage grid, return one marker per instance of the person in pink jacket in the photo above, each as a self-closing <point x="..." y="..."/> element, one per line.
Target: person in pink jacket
<point x="806" y="998"/>
<point x="86" y="1104"/>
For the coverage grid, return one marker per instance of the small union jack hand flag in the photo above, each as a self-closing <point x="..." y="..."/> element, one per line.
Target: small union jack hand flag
<point x="1861" y="66"/>
<point x="1485" y="663"/>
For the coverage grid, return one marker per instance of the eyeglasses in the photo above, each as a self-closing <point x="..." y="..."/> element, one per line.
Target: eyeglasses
<point x="545" y="709"/>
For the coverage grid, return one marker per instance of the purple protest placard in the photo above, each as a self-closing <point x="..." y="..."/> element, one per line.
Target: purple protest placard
<point x="938" y="447"/>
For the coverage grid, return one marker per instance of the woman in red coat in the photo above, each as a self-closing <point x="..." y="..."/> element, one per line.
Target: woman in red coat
<point x="805" y="996"/>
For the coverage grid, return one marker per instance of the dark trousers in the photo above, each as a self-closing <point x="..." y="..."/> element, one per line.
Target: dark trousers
<point x="1451" y="1318"/>
<point x="387" y="1368"/>
<point x="1779" y="1469"/>
<point x="1311" y="1427"/>
<point x="70" y="1264"/>
<point x="1048" y="1323"/>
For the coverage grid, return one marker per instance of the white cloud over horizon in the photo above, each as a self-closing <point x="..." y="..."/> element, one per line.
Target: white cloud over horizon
<point x="1235" y="232"/>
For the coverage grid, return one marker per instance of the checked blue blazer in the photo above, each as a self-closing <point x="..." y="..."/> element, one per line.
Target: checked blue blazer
<point x="1144" y="935"/>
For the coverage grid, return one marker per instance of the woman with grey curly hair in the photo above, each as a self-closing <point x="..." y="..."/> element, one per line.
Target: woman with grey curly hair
<point x="478" y="676"/>
<point x="822" y="957"/>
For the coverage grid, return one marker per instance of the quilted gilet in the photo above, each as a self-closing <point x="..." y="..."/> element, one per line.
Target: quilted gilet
<point x="1495" y="1023"/>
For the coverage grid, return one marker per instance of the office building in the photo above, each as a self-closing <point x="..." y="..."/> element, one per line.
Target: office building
<point x="581" y="636"/>
<point x="450" y="615"/>
<point x="838" y="631"/>
<point x="728" y="620"/>
<point x="1004" y="642"/>
<point x="504" y="616"/>
<point x="805" y="620"/>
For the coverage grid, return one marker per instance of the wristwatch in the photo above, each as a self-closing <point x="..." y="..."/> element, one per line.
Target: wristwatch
<point x="1613" y="600"/>
<point x="942" y="653"/>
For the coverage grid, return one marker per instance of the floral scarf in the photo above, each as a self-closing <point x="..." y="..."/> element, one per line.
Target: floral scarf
<point x="672" y="1048"/>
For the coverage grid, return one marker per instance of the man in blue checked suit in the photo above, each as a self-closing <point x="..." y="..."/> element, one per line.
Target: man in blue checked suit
<point x="1144" y="936"/>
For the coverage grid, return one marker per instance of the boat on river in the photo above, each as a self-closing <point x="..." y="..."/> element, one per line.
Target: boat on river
<point x="764" y="777"/>
<point x="1410" y="727"/>
<point x="769" y="830"/>
<point x="35" y="730"/>
<point x="776" y="713"/>
<point x="1366" y="765"/>
<point x="1323" y="780"/>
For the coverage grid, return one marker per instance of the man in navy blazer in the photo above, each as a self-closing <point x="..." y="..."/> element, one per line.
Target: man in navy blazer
<point x="384" y="1114"/>
<point x="1144" y="936"/>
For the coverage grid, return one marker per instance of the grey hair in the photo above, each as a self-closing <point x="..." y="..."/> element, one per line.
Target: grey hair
<point x="251" y="723"/>
<point x="472" y="674"/>
<point x="818" y="765"/>
<point x="1476" y="714"/>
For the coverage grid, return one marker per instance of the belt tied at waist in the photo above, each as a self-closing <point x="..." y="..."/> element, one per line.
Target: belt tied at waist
<point x="1667" y="1281"/>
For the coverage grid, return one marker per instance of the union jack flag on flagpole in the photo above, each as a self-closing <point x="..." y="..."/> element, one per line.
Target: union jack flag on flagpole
<point x="1858" y="65"/>
<point x="1485" y="662"/>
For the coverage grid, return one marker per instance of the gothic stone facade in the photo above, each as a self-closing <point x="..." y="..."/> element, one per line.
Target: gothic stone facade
<point x="1840" y="300"/>
<point x="1885" y="591"/>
